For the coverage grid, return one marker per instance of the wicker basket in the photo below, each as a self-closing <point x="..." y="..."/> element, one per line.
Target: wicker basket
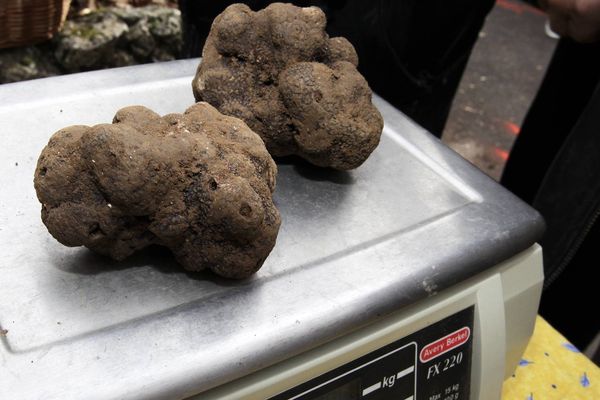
<point x="25" y="22"/>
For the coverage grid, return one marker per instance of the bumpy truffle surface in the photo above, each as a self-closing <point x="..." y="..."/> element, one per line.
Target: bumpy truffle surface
<point x="278" y="70"/>
<point x="199" y="183"/>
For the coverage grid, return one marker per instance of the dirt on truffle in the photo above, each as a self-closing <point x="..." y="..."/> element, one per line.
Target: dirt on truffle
<point x="199" y="183"/>
<point x="278" y="70"/>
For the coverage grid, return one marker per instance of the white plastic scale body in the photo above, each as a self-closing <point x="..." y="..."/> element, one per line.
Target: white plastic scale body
<point x="476" y="333"/>
<point x="414" y="276"/>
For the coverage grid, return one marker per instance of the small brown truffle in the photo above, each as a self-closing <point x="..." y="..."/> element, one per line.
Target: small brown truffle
<point x="278" y="70"/>
<point x="199" y="183"/>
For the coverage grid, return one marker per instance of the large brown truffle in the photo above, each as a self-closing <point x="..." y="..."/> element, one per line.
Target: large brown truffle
<point x="199" y="183"/>
<point x="278" y="70"/>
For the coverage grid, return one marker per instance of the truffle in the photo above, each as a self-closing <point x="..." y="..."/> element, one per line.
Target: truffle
<point x="278" y="70"/>
<point x="199" y="183"/>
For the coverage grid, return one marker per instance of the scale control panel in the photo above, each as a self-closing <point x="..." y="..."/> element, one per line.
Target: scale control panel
<point x="431" y="364"/>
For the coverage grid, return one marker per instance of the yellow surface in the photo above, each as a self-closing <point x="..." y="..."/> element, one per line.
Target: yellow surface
<point x="552" y="368"/>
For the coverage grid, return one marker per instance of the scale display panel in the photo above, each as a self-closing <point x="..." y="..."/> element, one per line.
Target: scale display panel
<point x="431" y="364"/>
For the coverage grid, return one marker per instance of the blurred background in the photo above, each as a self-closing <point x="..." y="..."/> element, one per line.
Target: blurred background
<point x="55" y="37"/>
<point x="502" y="76"/>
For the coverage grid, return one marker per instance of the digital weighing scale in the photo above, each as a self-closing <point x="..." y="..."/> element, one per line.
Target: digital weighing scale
<point x="414" y="276"/>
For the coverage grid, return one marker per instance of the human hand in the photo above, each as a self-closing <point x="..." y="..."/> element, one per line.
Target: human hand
<point x="577" y="19"/>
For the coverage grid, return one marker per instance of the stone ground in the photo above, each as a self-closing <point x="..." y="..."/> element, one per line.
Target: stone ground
<point x="500" y="82"/>
<point x="501" y="79"/>
<point x="502" y="76"/>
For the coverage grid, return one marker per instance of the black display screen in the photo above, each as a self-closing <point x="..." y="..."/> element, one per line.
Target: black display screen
<point x="347" y="391"/>
<point x="433" y="363"/>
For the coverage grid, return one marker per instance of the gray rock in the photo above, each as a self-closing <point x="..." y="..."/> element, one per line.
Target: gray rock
<point x="130" y="15"/>
<point x="155" y="32"/>
<point x="26" y="63"/>
<point x="161" y="54"/>
<point x="110" y="37"/>
<point x="122" y="58"/>
<point x="89" y="42"/>
<point x="140" y="41"/>
<point x="166" y="25"/>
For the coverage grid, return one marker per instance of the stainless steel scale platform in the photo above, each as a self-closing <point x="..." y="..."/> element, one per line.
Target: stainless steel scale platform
<point x="413" y="277"/>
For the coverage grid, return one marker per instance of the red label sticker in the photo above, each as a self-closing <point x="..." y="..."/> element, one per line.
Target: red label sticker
<point x="445" y="344"/>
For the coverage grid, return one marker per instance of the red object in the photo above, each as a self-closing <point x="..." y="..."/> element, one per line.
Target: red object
<point x="511" y="127"/>
<point x="445" y="344"/>
<point x="518" y="8"/>
<point x="501" y="153"/>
